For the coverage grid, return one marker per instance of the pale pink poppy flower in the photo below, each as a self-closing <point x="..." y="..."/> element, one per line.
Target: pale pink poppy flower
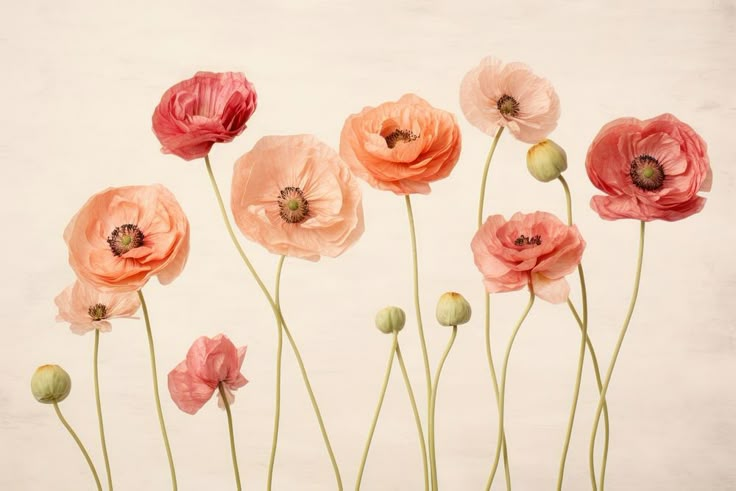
<point x="209" y="362"/>
<point x="495" y="94"/>
<point x="534" y="249"/>
<point x="87" y="308"/>
<point x="123" y="236"/>
<point x="649" y="170"/>
<point x="206" y="109"/>
<point x="401" y="146"/>
<point x="296" y="197"/>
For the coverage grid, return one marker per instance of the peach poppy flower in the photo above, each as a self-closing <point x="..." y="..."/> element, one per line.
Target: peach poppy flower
<point x="206" y="109"/>
<point x="495" y="94"/>
<point x="296" y="197"/>
<point x="209" y="362"/>
<point x="535" y="248"/>
<point x="649" y="170"/>
<point x="87" y="308"/>
<point x="123" y="236"/>
<point x="401" y="146"/>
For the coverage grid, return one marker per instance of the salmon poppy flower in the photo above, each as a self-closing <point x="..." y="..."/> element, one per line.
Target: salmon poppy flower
<point x="124" y="236"/>
<point x="401" y="146"/>
<point x="296" y="197"/>
<point x="87" y="308"/>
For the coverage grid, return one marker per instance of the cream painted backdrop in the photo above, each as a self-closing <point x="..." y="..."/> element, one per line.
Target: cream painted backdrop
<point x="81" y="80"/>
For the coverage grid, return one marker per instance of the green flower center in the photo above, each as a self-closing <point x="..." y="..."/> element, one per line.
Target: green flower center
<point x="647" y="173"/>
<point x="508" y="106"/>
<point x="293" y="206"/>
<point x="125" y="238"/>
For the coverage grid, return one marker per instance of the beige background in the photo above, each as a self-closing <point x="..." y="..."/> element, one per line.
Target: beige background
<point x="81" y="80"/>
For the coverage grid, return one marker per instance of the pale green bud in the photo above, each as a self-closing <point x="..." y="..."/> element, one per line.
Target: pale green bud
<point x="546" y="160"/>
<point x="453" y="309"/>
<point x="390" y="319"/>
<point x="50" y="384"/>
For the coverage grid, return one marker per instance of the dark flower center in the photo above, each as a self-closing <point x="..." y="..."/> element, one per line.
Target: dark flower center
<point x="97" y="312"/>
<point x="523" y="240"/>
<point x="508" y="106"/>
<point x="124" y="238"/>
<point x="647" y="173"/>
<point x="399" y="135"/>
<point x="293" y="206"/>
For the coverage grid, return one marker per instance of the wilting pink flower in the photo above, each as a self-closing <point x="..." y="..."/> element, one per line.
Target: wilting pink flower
<point x="495" y="94"/>
<point x="87" y="308"/>
<point x="206" y="109"/>
<point x="295" y="197"/>
<point x="650" y="170"/>
<point x="123" y="236"/>
<point x="401" y="146"/>
<point x="209" y="363"/>
<point x="534" y="249"/>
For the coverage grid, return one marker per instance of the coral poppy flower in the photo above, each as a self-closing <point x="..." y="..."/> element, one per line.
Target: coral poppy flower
<point x="296" y="197"/>
<point x="534" y="249"/>
<point x="495" y="94"/>
<point x="650" y="170"/>
<point x="209" y="362"/>
<point x="87" y="308"/>
<point x="206" y="109"/>
<point x="401" y="146"/>
<point x="123" y="236"/>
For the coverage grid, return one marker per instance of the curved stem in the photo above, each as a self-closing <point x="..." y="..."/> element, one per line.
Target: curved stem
<point x="154" y="375"/>
<point x="568" y="199"/>
<point x="432" y="407"/>
<point x="616" y="351"/>
<point x="417" y="419"/>
<point x="79" y="444"/>
<point x="483" y="180"/>
<point x="226" y="404"/>
<point x="99" y="412"/>
<point x="502" y="392"/>
<point x="279" y="349"/>
<point x="377" y="412"/>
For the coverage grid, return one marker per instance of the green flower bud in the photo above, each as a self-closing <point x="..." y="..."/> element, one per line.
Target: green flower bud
<point x="453" y="309"/>
<point x="390" y="319"/>
<point x="50" y="384"/>
<point x="546" y="160"/>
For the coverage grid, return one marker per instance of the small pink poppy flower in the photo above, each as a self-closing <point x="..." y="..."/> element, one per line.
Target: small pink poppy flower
<point x="87" y="308"/>
<point x="649" y="170"/>
<point x="495" y="94"/>
<point x="296" y="197"/>
<point x="209" y="362"/>
<point x="123" y="236"/>
<point x="401" y="146"/>
<point x="535" y="248"/>
<point x="206" y="109"/>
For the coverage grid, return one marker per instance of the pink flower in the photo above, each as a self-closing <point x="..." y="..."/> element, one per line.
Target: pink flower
<point x="206" y="109"/>
<point x="650" y="170"/>
<point x="87" y="308"/>
<point x="209" y="363"/>
<point x="493" y="95"/>
<point x="294" y="196"/>
<point x="401" y="146"/>
<point x="123" y="236"/>
<point x="534" y="249"/>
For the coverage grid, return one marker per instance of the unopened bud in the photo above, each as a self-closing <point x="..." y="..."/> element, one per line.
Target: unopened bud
<point x="453" y="309"/>
<point x="50" y="384"/>
<point x="546" y="160"/>
<point x="390" y="319"/>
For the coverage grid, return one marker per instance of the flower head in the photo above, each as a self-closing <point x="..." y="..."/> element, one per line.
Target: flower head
<point x="546" y="160"/>
<point x="50" y="384"/>
<point x="390" y="319"/>
<point x="495" y="94"/>
<point x="649" y="170"/>
<point x="296" y="197"/>
<point x="87" y="308"/>
<point x="535" y="250"/>
<point x="123" y="236"/>
<point x="206" y="109"/>
<point x="209" y="363"/>
<point x="453" y="309"/>
<point x="401" y="146"/>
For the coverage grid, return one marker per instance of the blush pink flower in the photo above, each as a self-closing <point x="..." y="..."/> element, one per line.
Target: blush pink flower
<point x="534" y="249"/>
<point x="87" y="308"/>
<point x="495" y="94"/>
<point x="123" y="236"/>
<point x="206" y="109"/>
<point x="401" y="146"/>
<point x="296" y="197"/>
<point x="209" y="363"/>
<point x="649" y="170"/>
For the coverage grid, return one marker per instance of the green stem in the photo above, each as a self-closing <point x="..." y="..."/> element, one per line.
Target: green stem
<point x="154" y="375"/>
<point x="484" y="179"/>
<point x="79" y="444"/>
<point x="502" y="391"/>
<point x="225" y="403"/>
<point x="377" y="413"/>
<point x="417" y="419"/>
<point x="616" y="351"/>
<point x="279" y="349"/>
<point x="99" y="411"/>
<point x="432" y="407"/>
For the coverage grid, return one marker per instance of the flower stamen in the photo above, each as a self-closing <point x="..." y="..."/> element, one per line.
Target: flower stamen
<point x="508" y="106"/>
<point x="97" y="312"/>
<point x="125" y="238"/>
<point x="399" y="135"/>
<point x="524" y="240"/>
<point x="293" y="206"/>
<point x="647" y="173"/>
